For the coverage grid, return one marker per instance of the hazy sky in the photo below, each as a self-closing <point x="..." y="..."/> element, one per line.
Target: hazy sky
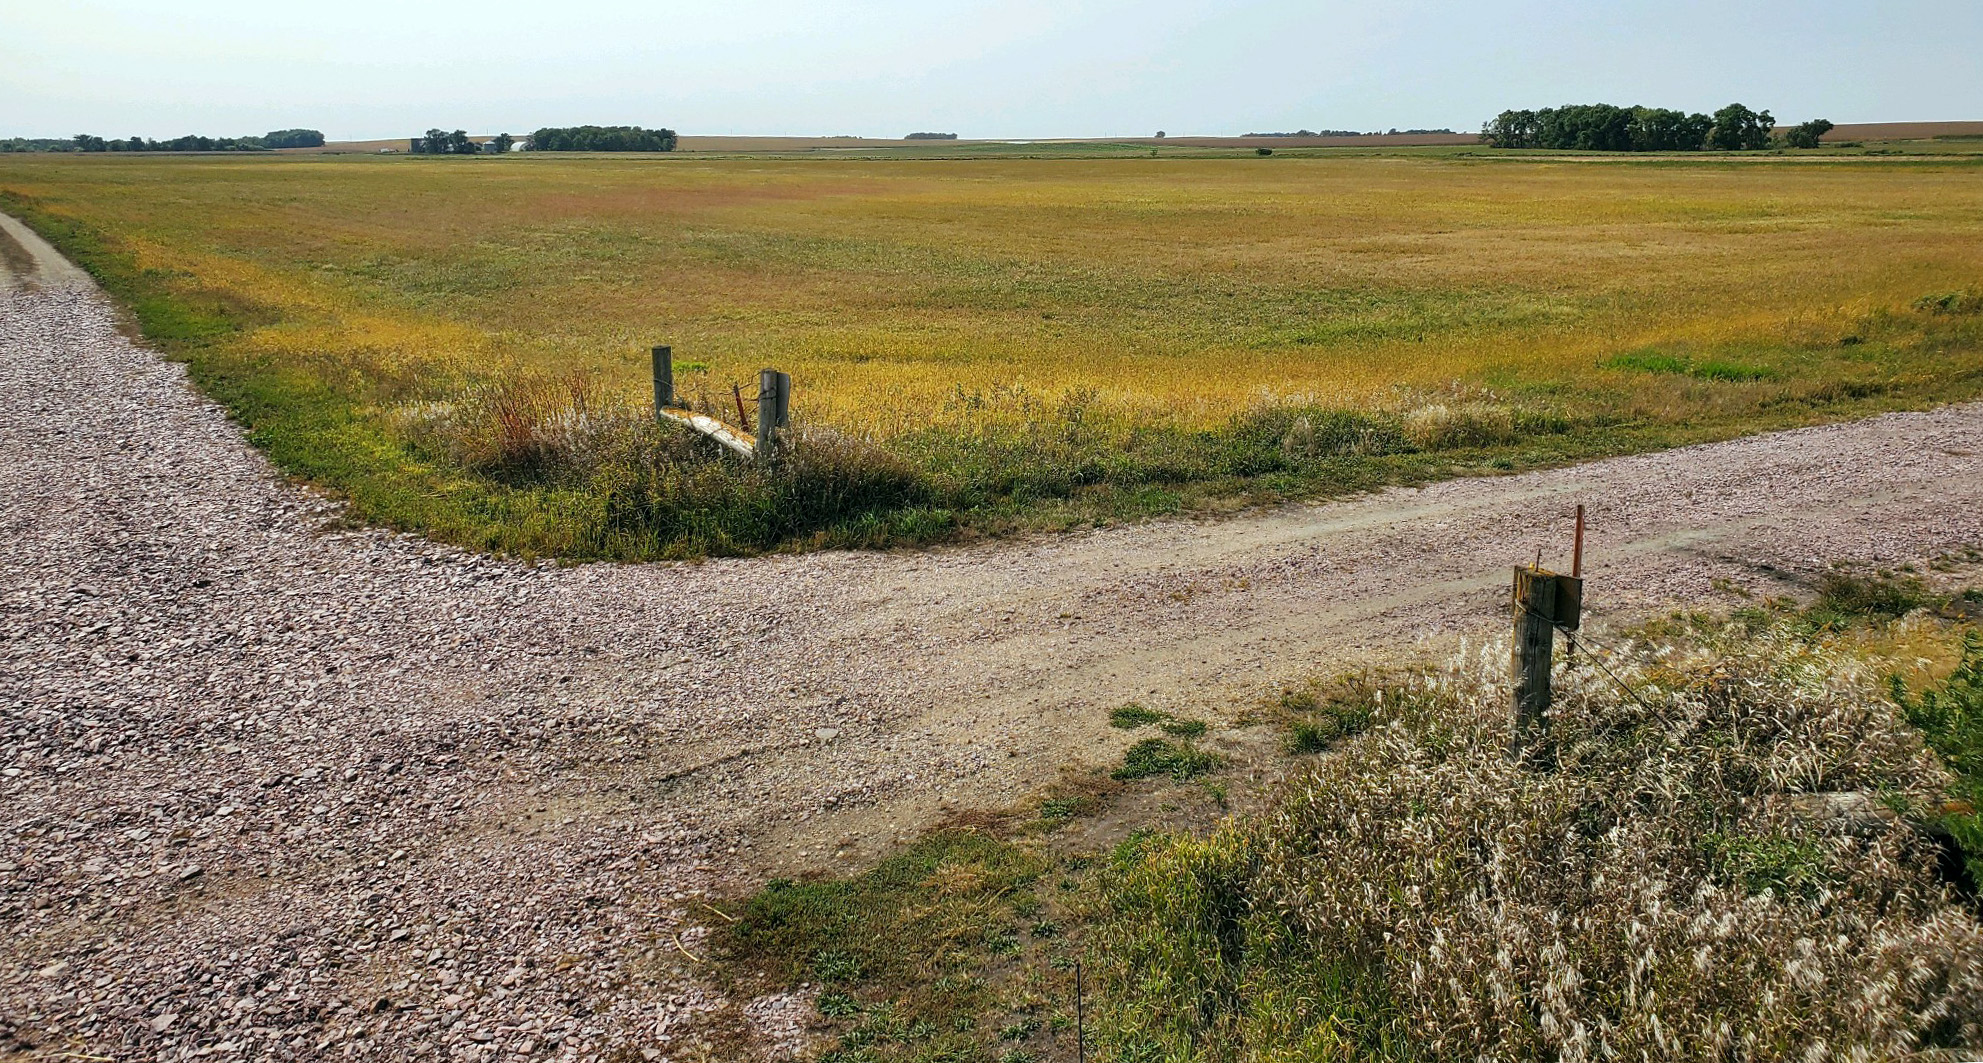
<point x="1017" y="68"/>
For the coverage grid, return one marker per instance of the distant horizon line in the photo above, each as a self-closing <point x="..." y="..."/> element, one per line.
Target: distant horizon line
<point x="1458" y="131"/>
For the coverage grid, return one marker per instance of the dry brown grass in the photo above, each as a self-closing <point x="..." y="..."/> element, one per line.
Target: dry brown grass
<point x="1655" y="894"/>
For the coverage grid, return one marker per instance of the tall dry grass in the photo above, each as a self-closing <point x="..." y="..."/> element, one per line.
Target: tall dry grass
<point x="1662" y="893"/>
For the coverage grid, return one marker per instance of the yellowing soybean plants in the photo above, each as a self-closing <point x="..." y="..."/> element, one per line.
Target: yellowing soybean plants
<point x="459" y="345"/>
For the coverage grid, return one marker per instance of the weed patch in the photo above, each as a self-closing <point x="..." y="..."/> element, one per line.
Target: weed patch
<point x="1950" y="715"/>
<point x="1157" y="756"/>
<point x="1317" y="717"/>
<point x="1845" y="597"/>
<point x="1133" y="715"/>
<point x="1951" y="303"/>
<point x="919" y="952"/>
<point x="1683" y="365"/>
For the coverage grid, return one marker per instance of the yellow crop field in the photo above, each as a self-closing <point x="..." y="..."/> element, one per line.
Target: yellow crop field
<point x="1344" y="320"/>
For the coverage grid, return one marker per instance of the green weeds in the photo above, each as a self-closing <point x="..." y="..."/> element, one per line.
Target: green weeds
<point x="1721" y="369"/>
<point x="1845" y="597"/>
<point x="1317" y="718"/>
<point x="1951" y="303"/>
<point x="1950" y="716"/>
<point x="1785" y="864"/>
<point x="920" y="954"/>
<point x="1133" y="715"/>
<point x="1157" y="756"/>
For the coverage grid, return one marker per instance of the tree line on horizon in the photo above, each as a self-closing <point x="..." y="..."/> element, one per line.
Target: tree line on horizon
<point x="1607" y="127"/>
<point x="550" y="138"/>
<point x="89" y="142"/>
<point x="1394" y="132"/>
<point x="602" y="138"/>
<point x="442" y="142"/>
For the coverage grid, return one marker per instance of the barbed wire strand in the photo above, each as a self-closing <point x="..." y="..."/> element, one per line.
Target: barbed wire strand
<point x="1578" y="641"/>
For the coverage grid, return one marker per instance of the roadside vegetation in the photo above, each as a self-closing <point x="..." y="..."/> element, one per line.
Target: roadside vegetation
<point x="1743" y="850"/>
<point x="990" y="344"/>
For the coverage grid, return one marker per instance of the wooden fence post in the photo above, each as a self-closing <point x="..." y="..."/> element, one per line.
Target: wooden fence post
<point x="664" y="378"/>
<point x="774" y="409"/>
<point x="1543" y="602"/>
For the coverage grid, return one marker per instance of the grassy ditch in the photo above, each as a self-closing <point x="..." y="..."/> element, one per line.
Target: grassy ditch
<point x="1743" y="858"/>
<point x="999" y="344"/>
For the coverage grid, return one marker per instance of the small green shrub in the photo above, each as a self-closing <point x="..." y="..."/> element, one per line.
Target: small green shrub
<point x="1183" y="728"/>
<point x="1020" y="1030"/>
<point x="1324" y="723"/>
<point x="1732" y="371"/>
<point x="1055" y="809"/>
<point x="1133" y="715"/>
<point x="1950" y="716"/>
<point x="837" y="1005"/>
<point x="1308" y="736"/>
<point x="1845" y="596"/>
<point x="1155" y="756"/>
<point x="831" y="966"/>
<point x="1950" y="303"/>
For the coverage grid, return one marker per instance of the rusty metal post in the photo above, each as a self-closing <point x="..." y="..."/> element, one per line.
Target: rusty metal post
<point x="1577" y="558"/>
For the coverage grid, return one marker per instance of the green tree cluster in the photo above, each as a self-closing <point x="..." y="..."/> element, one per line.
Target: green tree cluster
<point x="602" y="138"/>
<point x="293" y="138"/>
<point x="930" y="136"/>
<point x="12" y="144"/>
<point x="1606" y="127"/>
<point x="1809" y="134"/>
<point x="90" y="142"/>
<point x="442" y="142"/>
<point x="281" y="138"/>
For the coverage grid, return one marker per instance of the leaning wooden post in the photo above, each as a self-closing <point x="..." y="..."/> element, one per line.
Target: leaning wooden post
<point x="1543" y="601"/>
<point x="664" y="378"/>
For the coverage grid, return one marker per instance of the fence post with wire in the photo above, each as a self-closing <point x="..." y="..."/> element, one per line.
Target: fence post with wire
<point x="1543" y="602"/>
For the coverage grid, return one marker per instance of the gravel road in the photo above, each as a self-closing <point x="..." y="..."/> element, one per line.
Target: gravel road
<point x="275" y="788"/>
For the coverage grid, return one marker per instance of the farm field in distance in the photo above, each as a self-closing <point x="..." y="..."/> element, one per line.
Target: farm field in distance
<point x="460" y="345"/>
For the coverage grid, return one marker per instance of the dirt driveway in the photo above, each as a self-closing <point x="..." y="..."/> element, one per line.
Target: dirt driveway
<point x="274" y="788"/>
